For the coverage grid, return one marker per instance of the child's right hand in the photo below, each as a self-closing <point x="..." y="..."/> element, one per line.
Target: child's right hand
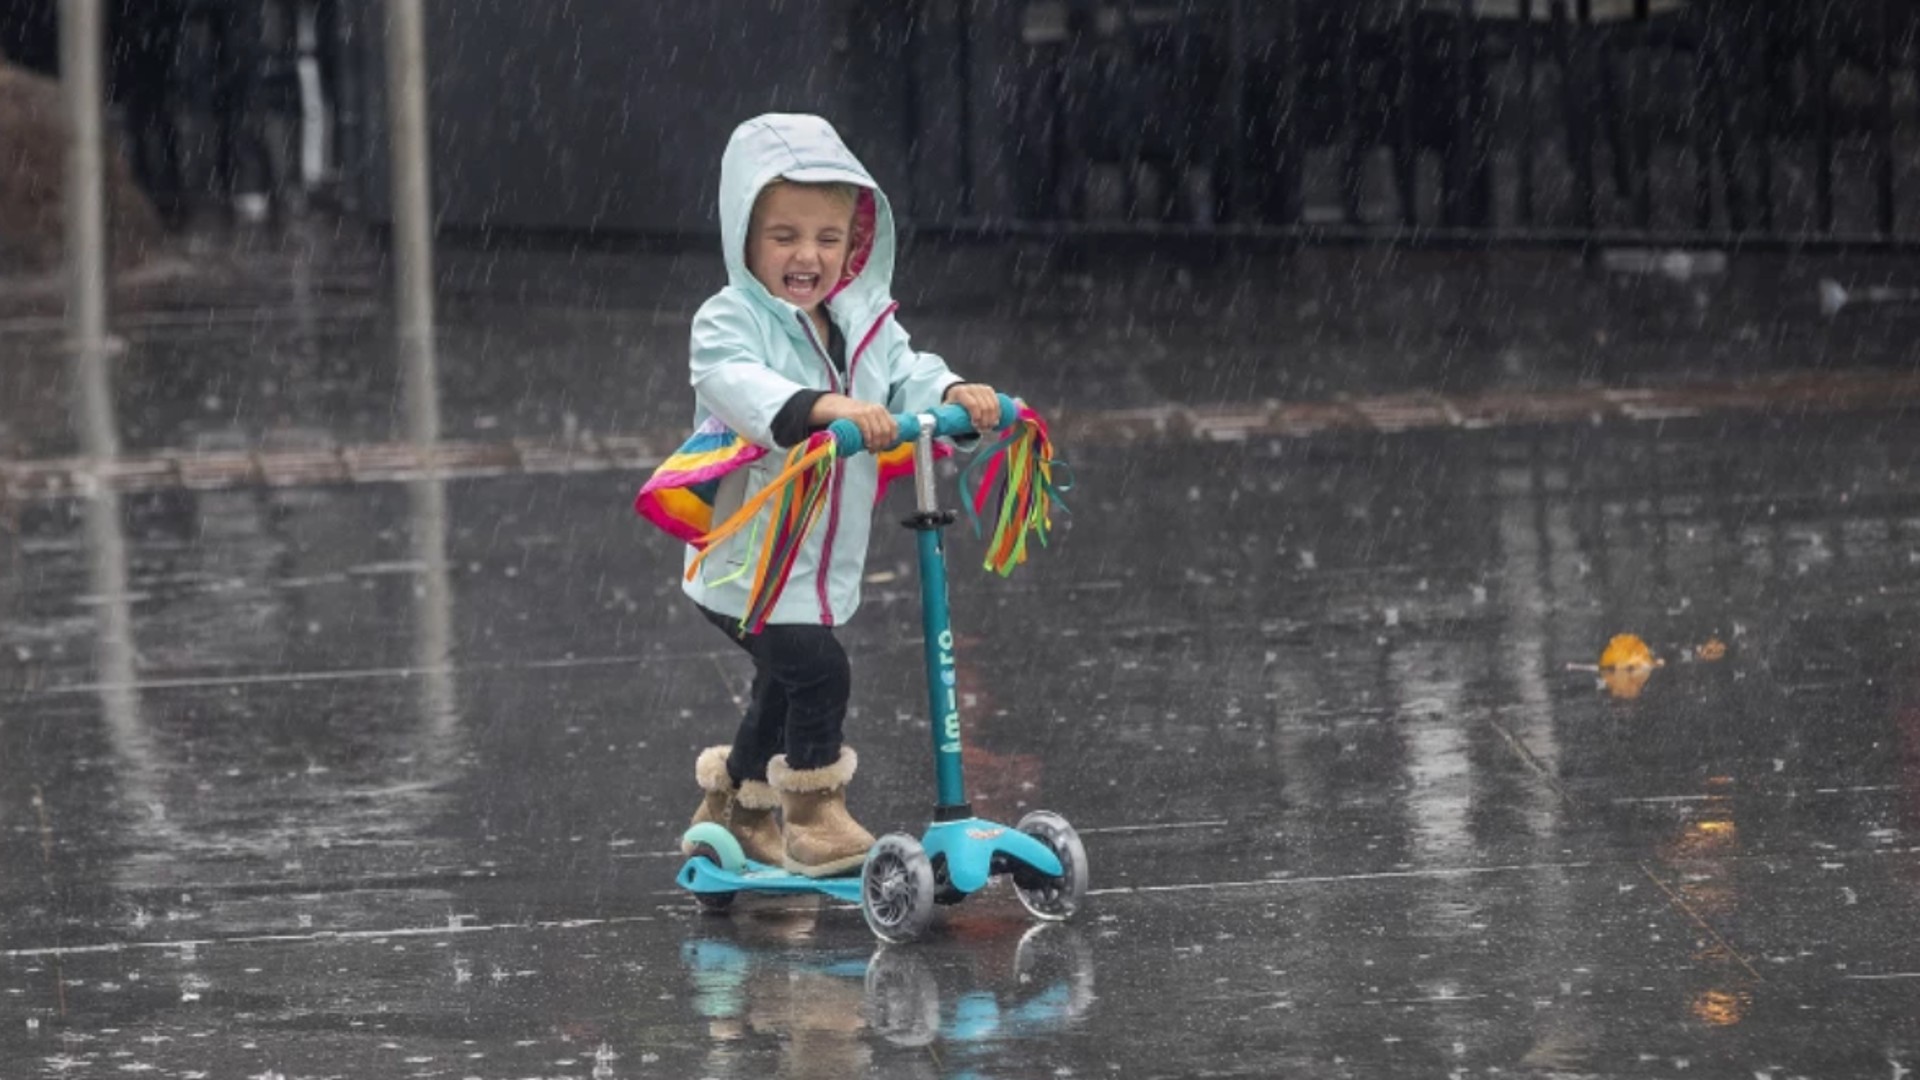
<point x="877" y="428"/>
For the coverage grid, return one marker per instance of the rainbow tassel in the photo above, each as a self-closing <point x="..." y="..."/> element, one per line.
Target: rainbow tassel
<point x="796" y="497"/>
<point x="1015" y="478"/>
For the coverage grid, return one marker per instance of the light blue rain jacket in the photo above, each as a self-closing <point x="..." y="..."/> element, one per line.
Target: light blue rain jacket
<point x="752" y="351"/>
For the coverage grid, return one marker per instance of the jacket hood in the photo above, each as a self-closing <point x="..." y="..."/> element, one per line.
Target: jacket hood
<point x="806" y="149"/>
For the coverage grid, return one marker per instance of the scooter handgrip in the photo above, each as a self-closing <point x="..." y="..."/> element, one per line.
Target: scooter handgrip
<point x="846" y="437"/>
<point x="1009" y="411"/>
<point x="848" y="440"/>
<point x="953" y="419"/>
<point x="948" y="420"/>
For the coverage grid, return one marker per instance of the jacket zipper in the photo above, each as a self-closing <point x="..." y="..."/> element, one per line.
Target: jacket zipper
<point x="833" y="511"/>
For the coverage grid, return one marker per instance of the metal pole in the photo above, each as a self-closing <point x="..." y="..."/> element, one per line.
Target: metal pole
<point x="412" y="215"/>
<point x="86" y="259"/>
<point x="1642" y="113"/>
<point x="1353" y="158"/>
<point x="80" y="47"/>
<point x="1237" y="35"/>
<point x="909" y="11"/>
<point x="1700" y="113"/>
<point x="1528" y="137"/>
<point x="1883" y="163"/>
<point x="1293" y="146"/>
<point x="433" y="657"/>
<point x="963" y="61"/>
<point x="1459" y="151"/>
<point x="413" y="302"/>
<point x="1576" y="100"/>
<point x="350" y="139"/>
<point x="1758" y="52"/>
<point x="1406" y="152"/>
<point x="1721" y="45"/>
<point x="1822" y="64"/>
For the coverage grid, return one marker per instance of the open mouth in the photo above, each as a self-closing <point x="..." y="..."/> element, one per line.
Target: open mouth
<point x="802" y="284"/>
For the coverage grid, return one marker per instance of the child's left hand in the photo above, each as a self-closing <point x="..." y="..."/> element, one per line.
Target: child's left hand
<point x="982" y="405"/>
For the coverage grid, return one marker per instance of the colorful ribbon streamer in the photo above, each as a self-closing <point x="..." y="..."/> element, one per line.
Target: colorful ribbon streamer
<point x="796" y="497"/>
<point x="1015" y="478"/>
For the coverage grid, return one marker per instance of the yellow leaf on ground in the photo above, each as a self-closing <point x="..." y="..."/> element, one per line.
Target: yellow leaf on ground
<point x="1626" y="665"/>
<point x="1626" y="683"/>
<point x="1721" y="1008"/>
<point x="1713" y="649"/>
<point x="1625" y="652"/>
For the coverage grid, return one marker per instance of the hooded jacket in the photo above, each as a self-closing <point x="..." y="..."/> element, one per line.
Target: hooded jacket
<point x="752" y="352"/>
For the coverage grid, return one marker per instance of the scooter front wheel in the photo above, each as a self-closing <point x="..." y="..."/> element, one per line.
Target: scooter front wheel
<point x="1053" y="898"/>
<point x="896" y="889"/>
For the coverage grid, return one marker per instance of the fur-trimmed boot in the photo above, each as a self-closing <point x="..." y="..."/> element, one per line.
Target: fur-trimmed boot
<point x="822" y="839"/>
<point x="745" y="811"/>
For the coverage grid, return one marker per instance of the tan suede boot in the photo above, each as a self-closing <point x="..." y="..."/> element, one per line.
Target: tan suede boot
<point x="746" y="811"/>
<point x="753" y="823"/>
<point x="822" y="839"/>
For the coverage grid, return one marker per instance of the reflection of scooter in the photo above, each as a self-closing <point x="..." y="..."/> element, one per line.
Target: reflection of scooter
<point x="720" y="971"/>
<point x="904" y="878"/>
<point x="1052" y="967"/>
<point x="753" y="983"/>
<point x="825" y="1001"/>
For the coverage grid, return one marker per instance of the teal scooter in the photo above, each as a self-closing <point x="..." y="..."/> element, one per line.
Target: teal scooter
<point x="904" y="879"/>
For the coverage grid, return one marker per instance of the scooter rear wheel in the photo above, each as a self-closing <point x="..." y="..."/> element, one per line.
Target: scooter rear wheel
<point x="896" y="889"/>
<point x="711" y="841"/>
<point x="1053" y="898"/>
<point x="721" y="846"/>
<point x="711" y="901"/>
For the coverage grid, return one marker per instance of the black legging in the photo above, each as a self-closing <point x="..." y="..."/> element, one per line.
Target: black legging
<point x="801" y="681"/>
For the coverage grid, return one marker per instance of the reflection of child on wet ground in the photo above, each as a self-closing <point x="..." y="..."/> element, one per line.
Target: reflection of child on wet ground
<point x="802" y="335"/>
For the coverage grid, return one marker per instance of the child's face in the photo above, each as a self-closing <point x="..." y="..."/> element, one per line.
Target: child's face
<point x="797" y="245"/>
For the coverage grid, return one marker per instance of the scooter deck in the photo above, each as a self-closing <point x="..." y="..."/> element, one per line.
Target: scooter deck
<point x="701" y="875"/>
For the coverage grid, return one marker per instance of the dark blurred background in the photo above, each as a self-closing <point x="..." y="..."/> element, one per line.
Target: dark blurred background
<point x="1520" y="120"/>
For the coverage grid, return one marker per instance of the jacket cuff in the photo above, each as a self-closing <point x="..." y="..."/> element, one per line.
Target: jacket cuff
<point x="952" y="386"/>
<point x="790" y="427"/>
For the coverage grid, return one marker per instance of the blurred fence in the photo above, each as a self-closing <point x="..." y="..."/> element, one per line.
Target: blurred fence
<point x="1681" y="121"/>
<point x="1452" y="121"/>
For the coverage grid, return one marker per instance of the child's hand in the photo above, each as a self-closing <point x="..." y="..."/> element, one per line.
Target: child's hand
<point x="877" y="429"/>
<point x="982" y="405"/>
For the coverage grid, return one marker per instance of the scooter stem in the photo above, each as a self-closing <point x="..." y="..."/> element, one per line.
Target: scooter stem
<point x="943" y="694"/>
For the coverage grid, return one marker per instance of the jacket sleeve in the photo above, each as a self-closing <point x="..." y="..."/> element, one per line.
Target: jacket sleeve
<point x="790" y="425"/>
<point x="729" y="375"/>
<point x="916" y="379"/>
<point x="919" y="381"/>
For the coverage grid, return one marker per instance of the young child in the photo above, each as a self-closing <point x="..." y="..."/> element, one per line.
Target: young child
<point x="802" y="335"/>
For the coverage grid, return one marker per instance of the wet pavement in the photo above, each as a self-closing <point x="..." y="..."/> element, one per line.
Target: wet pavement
<point x="362" y="778"/>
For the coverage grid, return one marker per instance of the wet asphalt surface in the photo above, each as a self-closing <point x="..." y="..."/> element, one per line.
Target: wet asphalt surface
<point x="370" y="780"/>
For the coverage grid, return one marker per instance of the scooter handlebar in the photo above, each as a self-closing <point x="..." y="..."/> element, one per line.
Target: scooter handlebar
<point x="947" y="420"/>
